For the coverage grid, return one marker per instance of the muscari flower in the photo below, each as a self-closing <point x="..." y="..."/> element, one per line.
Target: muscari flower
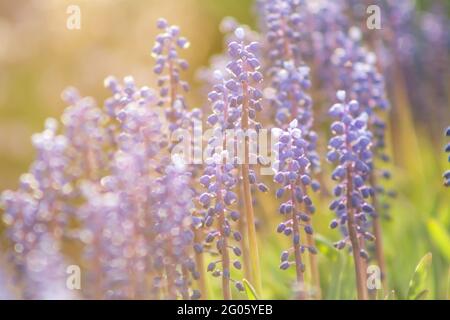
<point x="350" y="149"/>
<point x="220" y="180"/>
<point x="292" y="173"/>
<point x="168" y="67"/>
<point x="118" y="251"/>
<point x="37" y="215"/>
<point x="173" y="226"/>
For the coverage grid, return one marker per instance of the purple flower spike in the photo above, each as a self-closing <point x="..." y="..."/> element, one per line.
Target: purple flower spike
<point x="36" y="216"/>
<point x="353" y="165"/>
<point x="169" y="66"/>
<point x="220" y="180"/>
<point x="293" y="175"/>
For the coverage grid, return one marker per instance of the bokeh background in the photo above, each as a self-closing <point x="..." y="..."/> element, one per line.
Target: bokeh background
<point x="39" y="57"/>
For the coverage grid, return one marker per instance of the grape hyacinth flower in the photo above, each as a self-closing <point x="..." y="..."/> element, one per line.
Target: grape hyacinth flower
<point x="88" y="139"/>
<point x="168" y="67"/>
<point x="219" y="61"/>
<point x="36" y="216"/>
<point x="358" y="76"/>
<point x="292" y="172"/>
<point x="350" y="148"/>
<point x="220" y="180"/>
<point x="288" y="92"/>
<point x="135" y="130"/>
<point x="244" y="103"/>
<point x="344" y="63"/>
<point x="447" y="149"/>
<point x="173" y="226"/>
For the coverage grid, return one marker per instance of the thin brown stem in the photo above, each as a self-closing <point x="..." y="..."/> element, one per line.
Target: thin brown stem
<point x="351" y="225"/>
<point x="314" y="266"/>
<point x="200" y="263"/>
<point x="172" y="85"/>
<point x="244" y="242"/>
<point x="253" y="243"/>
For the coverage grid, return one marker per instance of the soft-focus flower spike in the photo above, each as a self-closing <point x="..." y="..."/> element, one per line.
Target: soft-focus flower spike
<point x="37" y="214"/>
<point x="88" y="139"/>
<point x="135" y="131"/>
<point x="173" y="227"/>
<point x="169" y="66"/>
<point x="350" y="150"/>
<point x="219" y="180"/>
<point x="342" y="62"/>
<point x="283" y="22"/>
<point x="245" y="102"/>
<point x="218" y="63"/>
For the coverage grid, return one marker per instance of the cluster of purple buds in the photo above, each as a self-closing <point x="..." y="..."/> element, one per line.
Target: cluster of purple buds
<point x="36" y="216"/>
<point x="168" y="66"/>
<point x="283" y="24"/>
<point x="350" y="148"/>
<point x="244" y="98"/>
<point x="291" y="102"/>
<point x="292" y="173"/>
<point x="447" y="149"/>
<point x="114" y="251"/>
<point x="134" y="129"/>
<point x="219" y="201"/>
<point x="356" y="72"/>
<point x="173" y="227"/>
<point x="220" y="180"/>
<point x="218" y="62"/>
<point x="89" y="139"/>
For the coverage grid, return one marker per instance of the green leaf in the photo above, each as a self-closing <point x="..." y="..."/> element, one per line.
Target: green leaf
<point x="440" y="237"/>
<point x="417" y="286"/>
<point x="249" y="290"/>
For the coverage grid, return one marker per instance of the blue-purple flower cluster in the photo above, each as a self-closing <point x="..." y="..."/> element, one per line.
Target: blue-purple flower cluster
<point x="220" y="180"/>
<point x="292" y="173"/>
<point x="36" y="216"/>
<point x="109" y="170"/>
<point x="350" y="149"/>
<point x="234" y="100"/>
<point x="169" y="64"/>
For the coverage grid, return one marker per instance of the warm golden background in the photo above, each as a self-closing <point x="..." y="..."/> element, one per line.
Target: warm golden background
<point x="39" y="57"/>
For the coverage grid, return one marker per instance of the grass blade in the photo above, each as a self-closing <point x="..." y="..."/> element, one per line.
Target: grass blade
<point x="417" y="286"/>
